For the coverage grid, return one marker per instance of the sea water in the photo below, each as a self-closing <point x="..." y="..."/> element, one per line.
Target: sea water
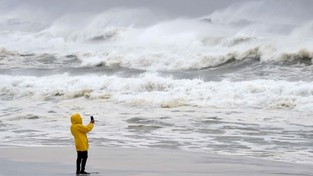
<point x="236" y="79"/>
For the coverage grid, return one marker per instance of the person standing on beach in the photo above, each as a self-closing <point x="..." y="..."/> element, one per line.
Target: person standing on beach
<point x="79" y="132"/>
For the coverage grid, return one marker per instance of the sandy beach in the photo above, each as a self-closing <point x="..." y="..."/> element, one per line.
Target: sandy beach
<point x="48" y="161"/>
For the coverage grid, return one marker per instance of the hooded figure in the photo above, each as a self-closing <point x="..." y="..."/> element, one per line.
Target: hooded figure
<point x="79" y="132"/>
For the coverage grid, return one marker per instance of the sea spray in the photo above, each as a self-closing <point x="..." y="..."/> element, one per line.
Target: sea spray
<point x="136" y="39"/>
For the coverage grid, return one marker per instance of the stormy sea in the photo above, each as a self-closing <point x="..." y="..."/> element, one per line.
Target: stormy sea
<point x="227" y="77"/>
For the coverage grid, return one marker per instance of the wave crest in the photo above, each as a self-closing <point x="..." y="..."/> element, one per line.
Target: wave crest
<point x="139" y="39"/>
<point x="154" y="90"/>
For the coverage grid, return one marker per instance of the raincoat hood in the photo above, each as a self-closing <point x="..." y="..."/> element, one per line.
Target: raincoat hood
<point x="76" y="119"/>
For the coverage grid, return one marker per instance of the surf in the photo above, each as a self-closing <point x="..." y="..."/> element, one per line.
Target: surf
<point x="137" y="38"/>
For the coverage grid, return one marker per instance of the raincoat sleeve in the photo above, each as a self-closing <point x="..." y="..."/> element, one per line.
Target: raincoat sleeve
<point x="85" y="129"/>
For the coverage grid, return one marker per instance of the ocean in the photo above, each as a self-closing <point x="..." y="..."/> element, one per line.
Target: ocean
<point x="227" y="77"/>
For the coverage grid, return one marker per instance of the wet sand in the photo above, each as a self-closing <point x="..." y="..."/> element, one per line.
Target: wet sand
<point x="30" y="161"/>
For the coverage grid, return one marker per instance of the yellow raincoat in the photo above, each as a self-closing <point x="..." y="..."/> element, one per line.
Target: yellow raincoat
<point x="79" y="131"/>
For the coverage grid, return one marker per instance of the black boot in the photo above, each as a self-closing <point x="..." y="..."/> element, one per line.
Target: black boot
<point x="78" y="168"/>
<point x="84" y="172"/>
<point x="78" y="161"/>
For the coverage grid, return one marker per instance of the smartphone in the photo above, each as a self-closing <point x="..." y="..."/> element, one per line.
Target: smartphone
<point x="91" y="118"/>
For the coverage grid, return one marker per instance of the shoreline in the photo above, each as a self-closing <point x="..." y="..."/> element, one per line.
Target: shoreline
<point x="134" y="161"/>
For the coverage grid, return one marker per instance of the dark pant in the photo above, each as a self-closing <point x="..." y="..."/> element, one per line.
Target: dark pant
<point x="81" y="161"/>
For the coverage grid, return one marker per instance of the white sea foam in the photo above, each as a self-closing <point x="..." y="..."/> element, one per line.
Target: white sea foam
<point x="166" y="92"/>
<point x="274" y="135"/>
<point x="134" y="38"/>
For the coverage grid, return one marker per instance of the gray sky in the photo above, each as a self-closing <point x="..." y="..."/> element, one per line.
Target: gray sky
<point x="295" y="9"/>
<point x="172" y="7"/>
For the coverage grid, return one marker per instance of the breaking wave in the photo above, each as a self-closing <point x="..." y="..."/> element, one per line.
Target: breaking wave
<point x="139" y="39"/>
<point x="151" y="89"/>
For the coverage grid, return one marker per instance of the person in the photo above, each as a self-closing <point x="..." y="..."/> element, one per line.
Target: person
<point x="79" y="132"/>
